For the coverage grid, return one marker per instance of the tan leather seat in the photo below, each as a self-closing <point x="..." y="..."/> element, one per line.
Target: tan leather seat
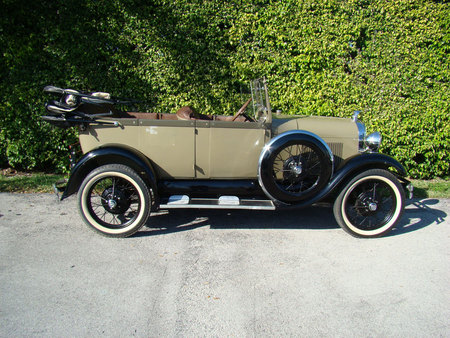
<point x="188" y="113"/>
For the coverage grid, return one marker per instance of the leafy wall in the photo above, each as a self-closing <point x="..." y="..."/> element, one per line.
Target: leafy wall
<point x="388" y="59"/>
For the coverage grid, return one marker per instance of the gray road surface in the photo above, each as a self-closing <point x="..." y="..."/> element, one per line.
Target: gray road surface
<point x="218" y="273"/>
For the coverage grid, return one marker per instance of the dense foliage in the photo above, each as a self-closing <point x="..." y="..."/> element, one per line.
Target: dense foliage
<point x="386" y="58"/>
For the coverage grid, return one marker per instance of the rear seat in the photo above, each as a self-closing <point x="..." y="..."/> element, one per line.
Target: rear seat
<point x="183" y="114"/>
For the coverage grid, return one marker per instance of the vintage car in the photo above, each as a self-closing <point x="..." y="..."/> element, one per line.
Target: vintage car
<point x="135" y="163"/>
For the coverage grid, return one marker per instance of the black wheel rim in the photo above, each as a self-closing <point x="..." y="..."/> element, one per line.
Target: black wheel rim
<point x="113" y="202"/>
<point x="370" y="205"/>
<point x="297" y="169"/>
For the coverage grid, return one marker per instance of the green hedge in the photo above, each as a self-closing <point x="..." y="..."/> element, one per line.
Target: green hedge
<point x="388" y="59"/>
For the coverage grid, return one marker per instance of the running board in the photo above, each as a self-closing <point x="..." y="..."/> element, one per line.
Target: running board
<point x="223" y="202"/>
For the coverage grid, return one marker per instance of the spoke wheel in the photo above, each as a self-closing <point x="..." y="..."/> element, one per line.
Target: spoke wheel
<point x="371" y="204"/>
<point x="114" y="200"/>
<point x="295" y="171"/>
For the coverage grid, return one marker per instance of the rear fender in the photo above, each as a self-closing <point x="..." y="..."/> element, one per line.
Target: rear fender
<point x="110" y="155"/>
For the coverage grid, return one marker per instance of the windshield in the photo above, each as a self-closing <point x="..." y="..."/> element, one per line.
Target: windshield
<point x="260" y="100"/>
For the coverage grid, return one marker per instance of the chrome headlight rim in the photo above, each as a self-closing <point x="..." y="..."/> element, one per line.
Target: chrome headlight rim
<point x="372" y="142"/>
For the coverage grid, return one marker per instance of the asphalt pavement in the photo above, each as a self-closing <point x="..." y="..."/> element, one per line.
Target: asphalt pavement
<point x="211" y="273"/>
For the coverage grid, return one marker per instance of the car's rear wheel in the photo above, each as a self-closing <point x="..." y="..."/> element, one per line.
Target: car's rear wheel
<point x="371" y="204"/>
<point x="114" y="200"/>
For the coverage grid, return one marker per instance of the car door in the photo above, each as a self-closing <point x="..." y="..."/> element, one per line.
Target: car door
<point x="170" y="145"/>
<point x="228" y="150"/>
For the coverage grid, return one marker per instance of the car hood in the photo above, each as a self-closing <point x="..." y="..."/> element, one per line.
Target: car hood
<point x="325" y="127"/>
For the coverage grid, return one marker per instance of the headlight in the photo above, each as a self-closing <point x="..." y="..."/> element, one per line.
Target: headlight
<point x="373" y="142"/>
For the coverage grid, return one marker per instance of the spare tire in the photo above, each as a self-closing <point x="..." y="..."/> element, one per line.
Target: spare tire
<point x="294" y="166"/>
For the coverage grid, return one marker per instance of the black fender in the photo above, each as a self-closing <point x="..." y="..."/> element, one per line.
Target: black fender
<point x="352" y="167"/>
<point x="110" y="155"/>
<point x="265" y="170"/>
<point x="365" y="161"/>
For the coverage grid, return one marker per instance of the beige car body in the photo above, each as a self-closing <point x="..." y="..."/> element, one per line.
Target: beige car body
<point x="199" y="149"/>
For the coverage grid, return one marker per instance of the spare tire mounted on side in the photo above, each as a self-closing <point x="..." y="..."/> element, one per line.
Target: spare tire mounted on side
<point x="294" y="166"/>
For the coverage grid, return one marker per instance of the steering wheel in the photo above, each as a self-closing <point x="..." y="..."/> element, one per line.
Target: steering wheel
<point x="242" y="110"/>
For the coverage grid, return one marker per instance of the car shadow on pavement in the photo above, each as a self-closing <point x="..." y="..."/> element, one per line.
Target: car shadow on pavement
<point x="418" y="214"/>
<point x="176" y="220"/>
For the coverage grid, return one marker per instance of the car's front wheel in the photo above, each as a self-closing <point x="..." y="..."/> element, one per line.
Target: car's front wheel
<point x="371" y="204"/>
<point x="114" y="200"/>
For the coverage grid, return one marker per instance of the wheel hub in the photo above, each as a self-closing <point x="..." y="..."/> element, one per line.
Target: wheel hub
<point x="296" y="168"/>
<point x="115" y="201"/>
<point x="293" y="167"/>
<point x="112" y="204"/>
<point x="373" y="206"/>
<point x="366" y="205"/>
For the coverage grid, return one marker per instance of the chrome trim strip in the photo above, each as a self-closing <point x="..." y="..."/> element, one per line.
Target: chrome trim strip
<point x="361" y="131"/>
<point x="361" y="135"/>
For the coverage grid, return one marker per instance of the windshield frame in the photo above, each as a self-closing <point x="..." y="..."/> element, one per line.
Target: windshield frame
<point x="260" y="100"/>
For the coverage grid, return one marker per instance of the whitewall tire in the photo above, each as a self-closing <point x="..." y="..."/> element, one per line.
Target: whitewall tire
<point x="114" y="200"/>
<point x="371" y="204"/>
